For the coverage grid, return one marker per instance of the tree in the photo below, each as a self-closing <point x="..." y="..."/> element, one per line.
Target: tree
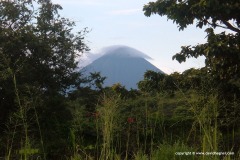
<point x="222" y="50"/>
<point x="38" y="52"/>
<point x="96" y="81"/>
<point x="152" y="82"/>
<point x="38" y="47"/>
<point x="39" y="44"/>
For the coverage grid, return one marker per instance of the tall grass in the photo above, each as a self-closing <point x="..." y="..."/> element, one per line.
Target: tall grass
<point x="19" y="142"/>
<point x="149" y="135"/>
<point x="154" y="135"/>
<point x="109" y="112"/>
<point x="206" y="117"/>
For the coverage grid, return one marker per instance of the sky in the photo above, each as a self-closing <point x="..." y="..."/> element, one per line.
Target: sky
<point x="122" y="22"/>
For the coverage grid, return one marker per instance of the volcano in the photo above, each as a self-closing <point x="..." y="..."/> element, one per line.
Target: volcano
<point x="121" y="64"/>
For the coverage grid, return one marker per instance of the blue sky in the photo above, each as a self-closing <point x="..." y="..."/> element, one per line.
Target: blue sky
<point x="122" y="22"/>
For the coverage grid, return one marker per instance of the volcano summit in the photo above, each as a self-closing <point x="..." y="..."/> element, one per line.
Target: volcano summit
<point x="121" y="64"/>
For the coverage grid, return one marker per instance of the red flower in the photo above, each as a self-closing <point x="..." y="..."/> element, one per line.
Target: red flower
<point x="130" y="120"/>
<point x="96" y="114"/>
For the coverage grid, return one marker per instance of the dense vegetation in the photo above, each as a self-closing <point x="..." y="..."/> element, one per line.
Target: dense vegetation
<point x="48" y="110"/>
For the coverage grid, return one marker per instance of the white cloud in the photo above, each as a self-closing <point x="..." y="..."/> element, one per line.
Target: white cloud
<point x="125" y="12"/>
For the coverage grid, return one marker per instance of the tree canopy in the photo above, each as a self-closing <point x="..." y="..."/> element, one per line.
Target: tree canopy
<point x="216" y="13"/>
<point x="38" y="45"/>
<point x="222" y="50"/>
<point x="38" y="51"/>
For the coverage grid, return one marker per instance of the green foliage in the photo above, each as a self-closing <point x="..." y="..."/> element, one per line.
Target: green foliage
<point x="167" y="151"/>
<point x="95" y="79"/>
<point x="221" y="51"/>
<point x="204" y="12"/>
<point x="157" y="82"/>
<point x="37" y="65"/>
<point x="221" y="73"/>
<point x="39" y="44"/>
<point x="152" y="82"/>
<point x="38" y="52"/>
<point x="109" y="123"/>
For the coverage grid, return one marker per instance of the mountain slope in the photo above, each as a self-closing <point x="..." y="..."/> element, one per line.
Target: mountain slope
<point x="122" y="65"/>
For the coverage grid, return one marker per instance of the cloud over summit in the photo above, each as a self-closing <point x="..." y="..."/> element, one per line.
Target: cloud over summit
<point x="125" y="51"/>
